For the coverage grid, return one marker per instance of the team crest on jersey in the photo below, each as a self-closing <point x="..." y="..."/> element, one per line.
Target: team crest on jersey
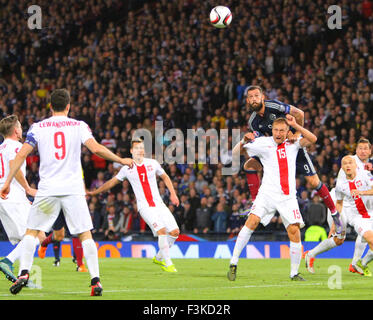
<point x="359" y="184"/>
<point x="272" y="116"/>
<point x="149" y="168"/>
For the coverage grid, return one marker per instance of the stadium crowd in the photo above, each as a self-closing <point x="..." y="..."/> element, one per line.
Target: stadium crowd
<point x="165" y="62"/>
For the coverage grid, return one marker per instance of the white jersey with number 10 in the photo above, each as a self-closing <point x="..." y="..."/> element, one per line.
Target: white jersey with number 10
<point x="8" y="151"/>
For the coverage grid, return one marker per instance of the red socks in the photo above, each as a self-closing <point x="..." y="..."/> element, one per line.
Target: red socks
<point x="323" y="192"/>
<point x="48" y="240"/>
<point x="78" y="249"/>
<point x="253" y="182"/>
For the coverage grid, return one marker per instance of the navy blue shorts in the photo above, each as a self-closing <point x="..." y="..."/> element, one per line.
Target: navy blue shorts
<point x="304" y="164"/>
<point x="60" y="222"/>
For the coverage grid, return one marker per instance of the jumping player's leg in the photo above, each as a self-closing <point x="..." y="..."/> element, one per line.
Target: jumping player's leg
<point x="251" y="168"/>
<point x="244" y="236"/>
<point x="293" y="231"/>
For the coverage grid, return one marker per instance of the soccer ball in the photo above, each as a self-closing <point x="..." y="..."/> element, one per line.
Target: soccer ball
<point x="220" y="17"/>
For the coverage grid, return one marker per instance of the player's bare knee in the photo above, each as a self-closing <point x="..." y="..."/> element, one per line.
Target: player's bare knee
<point x="175" y="233"/>
<point x="162" y="232"/>
<point x="338" y="241"/>
<point x="368" y="236"/>
<point x="252" y="165"/>
<point x="293" y="231"/>
<point x="252" y="222"/>
<point x="85" y="236"/>
<point x="313" y="181"/>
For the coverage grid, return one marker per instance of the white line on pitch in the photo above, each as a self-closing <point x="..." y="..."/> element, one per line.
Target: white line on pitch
<point x="36" y="293"/>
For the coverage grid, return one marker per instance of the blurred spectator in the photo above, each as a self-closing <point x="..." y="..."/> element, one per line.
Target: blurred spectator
<point x="219" y="218"/>
<point x="203" y="217"/>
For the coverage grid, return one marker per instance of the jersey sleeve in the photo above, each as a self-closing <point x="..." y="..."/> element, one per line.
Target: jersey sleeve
<point x="31" y="136"/>
<point x="122" y="174"/>
<point x="338" y="193"/>
<point x="369" y="178"/>
<point x="158" y="169"/>
<point x="86" y="132"/>
<point x="297" y="142"/>
<point x="253" y="148"/>
<point x="282" y="107"/>
<point x="12" y="152"/>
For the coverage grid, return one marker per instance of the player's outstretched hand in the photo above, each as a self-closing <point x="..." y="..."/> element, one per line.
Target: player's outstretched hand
<point x="174" y="199"/>
<point x="4" y="192"/>
<point x="128" y="162"/>
<point x="368" y="166"/>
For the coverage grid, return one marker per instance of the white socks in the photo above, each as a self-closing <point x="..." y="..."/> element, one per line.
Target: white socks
<point x="91" y="256"/>
<point x="171" y="240"/>
<point x="325" y="245"/>
<point x="28" y="246"/>
<point x="359" y="249"/>
<point x="15" y="254"/>
<point x="164" y="249"/>
<point x="368" y="257"/>
<point x="295" y="257"/>
<point x="243" y="238"/>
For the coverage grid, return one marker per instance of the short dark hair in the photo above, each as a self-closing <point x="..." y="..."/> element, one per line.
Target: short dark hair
<point x="363" y="140"/>
<point x="136" y="140"/>
<point x="60" y="98"/>
<point x="7" y="125"/>
<point x="251" y="88"/>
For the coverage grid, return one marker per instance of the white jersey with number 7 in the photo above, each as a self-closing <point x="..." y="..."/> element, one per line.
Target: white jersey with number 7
<point x="144" y="182"/>
<point x="59" y="141"/>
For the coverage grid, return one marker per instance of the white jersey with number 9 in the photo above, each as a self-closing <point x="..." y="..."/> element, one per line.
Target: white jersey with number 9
<point x="59" y="141"/>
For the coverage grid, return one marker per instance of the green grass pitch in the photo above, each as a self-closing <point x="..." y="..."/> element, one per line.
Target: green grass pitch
<point x="197" y="279"/>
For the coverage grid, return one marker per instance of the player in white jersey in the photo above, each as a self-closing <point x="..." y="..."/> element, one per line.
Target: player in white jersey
<point x="59" y="141"/>
<point x="14" y="211"/>
<point x="143" y="179"/>
<point x="363" y="152"/>
<point x="277" y="191"/>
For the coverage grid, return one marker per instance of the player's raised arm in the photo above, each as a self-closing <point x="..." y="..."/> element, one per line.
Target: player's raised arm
<point x="238" y="148"/>
<point x="173" y="197"/>
<point x="105" y="187"/>
<point x="16" y="165"/>
<point x="105" y="153"/>
<point x="297" y="114"/>
<point x="308" y="137"/>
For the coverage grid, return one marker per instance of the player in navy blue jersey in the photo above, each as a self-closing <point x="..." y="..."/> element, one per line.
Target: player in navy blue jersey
<point x="264" y="112"/>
